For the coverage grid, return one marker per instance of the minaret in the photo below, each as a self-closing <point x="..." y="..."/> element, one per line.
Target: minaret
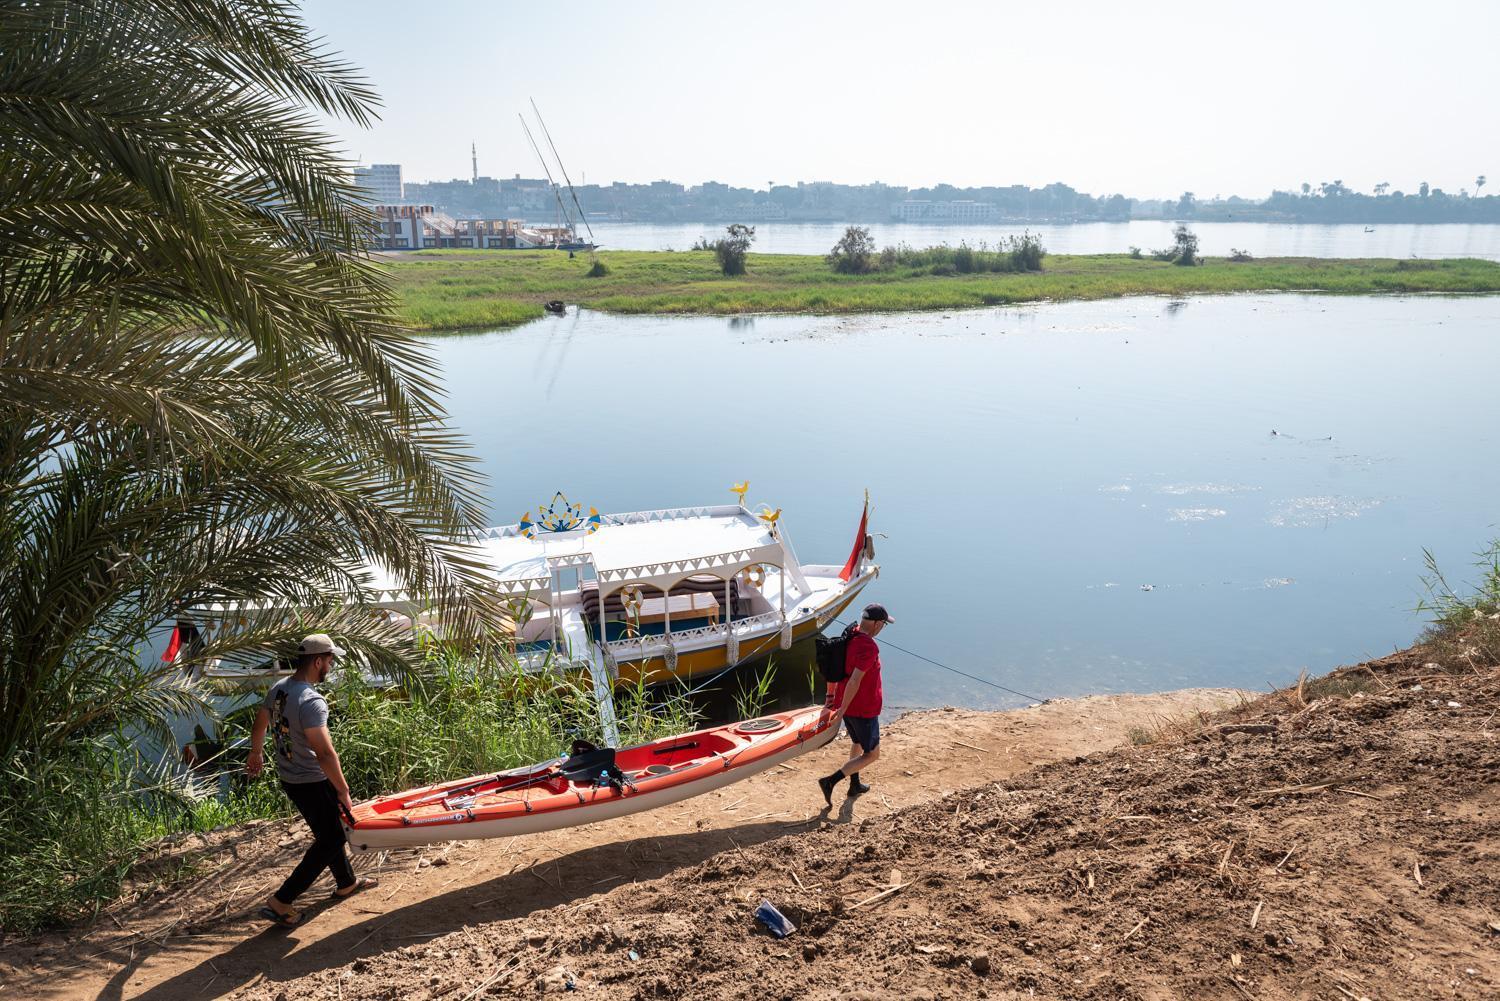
<point x="474" y="160"/>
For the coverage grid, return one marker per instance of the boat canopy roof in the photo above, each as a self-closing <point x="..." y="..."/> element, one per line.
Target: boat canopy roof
<point x="642" y="547"/>
<point x="658" y="548"/>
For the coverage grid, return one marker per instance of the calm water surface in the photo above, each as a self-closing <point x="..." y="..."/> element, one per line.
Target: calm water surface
<point x="1217" y="238"/>
<point x="1071" y="498"/>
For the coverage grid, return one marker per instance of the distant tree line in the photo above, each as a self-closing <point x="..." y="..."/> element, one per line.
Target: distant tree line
<point x="1335" y="202"/>
<point x="666" y="201"/>
<point x="1331" y="201"/>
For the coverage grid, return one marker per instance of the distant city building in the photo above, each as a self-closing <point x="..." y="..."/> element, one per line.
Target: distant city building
<point x="960" y="211"/>
<point x="382" y="181"/>
<point x="758" y="212"/>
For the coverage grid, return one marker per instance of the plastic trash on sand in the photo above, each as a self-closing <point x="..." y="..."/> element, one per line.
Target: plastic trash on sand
<point x="768" y="915"/>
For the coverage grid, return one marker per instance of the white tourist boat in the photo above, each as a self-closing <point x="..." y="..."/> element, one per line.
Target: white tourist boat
<point x="643" y="596"/>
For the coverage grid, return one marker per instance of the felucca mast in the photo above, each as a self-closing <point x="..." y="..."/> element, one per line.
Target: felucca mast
<point x="548" y="133"/>
<point x="561" y="208"/>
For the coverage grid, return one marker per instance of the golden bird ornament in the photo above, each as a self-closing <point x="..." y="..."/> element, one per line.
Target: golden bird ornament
<point x="740" y="490"/>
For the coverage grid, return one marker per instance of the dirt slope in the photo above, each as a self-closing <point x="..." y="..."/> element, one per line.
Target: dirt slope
<point x="202" y="941"/>
<point x="1341" y="848"/>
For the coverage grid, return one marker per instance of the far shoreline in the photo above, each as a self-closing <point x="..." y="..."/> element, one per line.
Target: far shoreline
<point x="465" y="290"/>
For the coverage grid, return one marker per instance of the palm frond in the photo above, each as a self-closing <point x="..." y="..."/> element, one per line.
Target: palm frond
<point x="205" y="398"/>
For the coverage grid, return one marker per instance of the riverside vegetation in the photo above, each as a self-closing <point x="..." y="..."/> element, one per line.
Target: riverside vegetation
<point x="458" y="289"/>
<point x="206" y="398"/>
<point x="76" y="832"/>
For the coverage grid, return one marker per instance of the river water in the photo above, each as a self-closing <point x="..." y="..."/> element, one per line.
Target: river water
<point x="1071" y="498"/>
<point x="1216" y="238"/>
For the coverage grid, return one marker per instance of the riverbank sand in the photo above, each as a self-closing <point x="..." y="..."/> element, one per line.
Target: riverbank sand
<point x="1333" y="842"/>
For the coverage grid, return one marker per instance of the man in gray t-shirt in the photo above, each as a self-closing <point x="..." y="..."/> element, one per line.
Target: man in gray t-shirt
<point x="295" y="707"/>
<point x="296" y="714"/>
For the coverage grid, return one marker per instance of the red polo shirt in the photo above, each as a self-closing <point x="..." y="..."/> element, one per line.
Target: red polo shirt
<point x="862" y="655"/>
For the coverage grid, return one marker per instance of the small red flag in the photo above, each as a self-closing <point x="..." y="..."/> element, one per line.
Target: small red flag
<point x="859" y="543"/>
<point x="173" y="646"/>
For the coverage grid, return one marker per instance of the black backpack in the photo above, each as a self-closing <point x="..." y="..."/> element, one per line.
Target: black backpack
<point x="831" y="654"/>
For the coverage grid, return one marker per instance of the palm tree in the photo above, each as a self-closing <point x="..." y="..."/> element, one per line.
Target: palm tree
<point x="204" y="394"/>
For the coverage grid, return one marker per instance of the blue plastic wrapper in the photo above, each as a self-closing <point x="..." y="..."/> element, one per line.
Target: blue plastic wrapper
<point x="777" y="922"/>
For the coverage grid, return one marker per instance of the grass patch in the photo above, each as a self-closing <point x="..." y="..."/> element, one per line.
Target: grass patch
<point x="1464" y="630"/>
<point x="1338" y="685"/>
<point x="455" y="289"/>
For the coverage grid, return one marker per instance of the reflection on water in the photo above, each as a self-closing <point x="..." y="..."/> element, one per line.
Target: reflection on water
<point x="1260" y="239"/>
<point x="1077" y="497"/>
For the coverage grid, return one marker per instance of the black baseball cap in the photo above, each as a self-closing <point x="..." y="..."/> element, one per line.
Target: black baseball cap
<point x="877" y="613"/>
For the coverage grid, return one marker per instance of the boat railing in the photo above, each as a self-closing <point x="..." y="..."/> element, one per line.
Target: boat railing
<point x="642" y="646"/>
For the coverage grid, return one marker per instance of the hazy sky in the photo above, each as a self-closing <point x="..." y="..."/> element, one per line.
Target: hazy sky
<point x="1144" y="99"/>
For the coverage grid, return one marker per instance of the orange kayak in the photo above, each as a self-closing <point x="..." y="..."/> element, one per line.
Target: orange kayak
<point x="582" y="789"/>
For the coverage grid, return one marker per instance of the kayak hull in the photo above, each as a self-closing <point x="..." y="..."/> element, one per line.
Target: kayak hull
<point x="378" y="826"/>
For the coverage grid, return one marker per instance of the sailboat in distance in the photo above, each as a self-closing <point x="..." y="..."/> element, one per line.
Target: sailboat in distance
<point x="563" y="236"/>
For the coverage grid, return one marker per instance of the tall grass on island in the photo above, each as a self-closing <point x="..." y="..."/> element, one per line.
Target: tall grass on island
<point x="77" y="831"/>
<point x="487" y="289"/>
<point x="855" y="254"/>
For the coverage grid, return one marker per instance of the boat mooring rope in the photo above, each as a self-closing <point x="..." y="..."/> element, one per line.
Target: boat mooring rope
<point x="910" y="653"/>
<point x="758" y="647"/>
<point x="966" y="674"/>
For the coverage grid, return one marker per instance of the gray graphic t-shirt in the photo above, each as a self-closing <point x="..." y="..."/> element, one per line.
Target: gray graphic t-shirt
<point x="295" y="707"/>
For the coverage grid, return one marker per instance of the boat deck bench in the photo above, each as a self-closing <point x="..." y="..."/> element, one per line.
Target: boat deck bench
<point x="698" y="605"/>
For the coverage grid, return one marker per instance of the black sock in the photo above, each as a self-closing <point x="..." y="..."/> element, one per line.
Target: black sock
<point x="836" y="776"/>
<point x="853" y="778"/>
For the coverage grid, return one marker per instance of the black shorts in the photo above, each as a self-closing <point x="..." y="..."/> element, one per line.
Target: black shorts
<point x="864" y="731"/>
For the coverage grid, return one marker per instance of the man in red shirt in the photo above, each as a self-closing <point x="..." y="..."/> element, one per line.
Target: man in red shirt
<point x="859" y="698"/>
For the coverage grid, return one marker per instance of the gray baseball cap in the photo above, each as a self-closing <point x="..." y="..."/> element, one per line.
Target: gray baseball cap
<point x="319" y="643"/>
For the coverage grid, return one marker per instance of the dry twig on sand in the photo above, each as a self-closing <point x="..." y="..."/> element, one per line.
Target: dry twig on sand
<point x="1239" y="987"/>
<point x="1356" y="792"/>
<point x="1224" y="862"/>
<point x="879" y="896"/>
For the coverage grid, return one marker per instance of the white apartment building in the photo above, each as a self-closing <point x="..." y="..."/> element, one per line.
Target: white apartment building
<point x="383" y="183"/>
<point x="962" y="211"/>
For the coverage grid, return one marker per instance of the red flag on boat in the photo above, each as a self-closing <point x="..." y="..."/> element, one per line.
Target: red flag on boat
<point x="173" y="646"/>
<point x="859" y="542"/>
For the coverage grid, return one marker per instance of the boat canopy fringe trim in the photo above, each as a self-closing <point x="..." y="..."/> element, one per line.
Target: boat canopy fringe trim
<point x="737" y="558"/>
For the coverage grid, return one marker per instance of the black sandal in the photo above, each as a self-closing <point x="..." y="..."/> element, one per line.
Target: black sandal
<point x="290" y="919"/>
<point x="360" y="885"/>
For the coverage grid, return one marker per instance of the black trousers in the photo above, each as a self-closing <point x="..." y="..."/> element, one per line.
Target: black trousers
<point x="319" y="806"/>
